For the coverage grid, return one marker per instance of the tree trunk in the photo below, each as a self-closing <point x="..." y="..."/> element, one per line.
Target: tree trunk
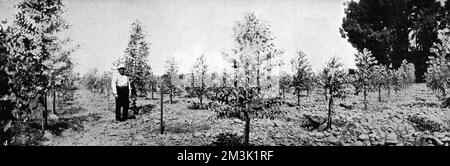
<point x="201" y="99"/>
<point x="379" y="93"/>
<point x="202" y="91"/>
<point x="298" y="98"/>
<point x="330" y="103"/>
<point x="389" y="91"/>
<point x="44" y="114"/>
<point x="365" y="97"/>
<point x="171" y="91"/>
<point x="54" y="102"/>
<point x="247" y="126"/>
<point x="153" y="90"/>
<point x="162" y="108"/>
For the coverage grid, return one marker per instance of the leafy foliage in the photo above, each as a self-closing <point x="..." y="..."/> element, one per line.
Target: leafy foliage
<point x="391" y="30"/>
<point x="252" y="58"/>
<point x="303" y="78"/>
<point x="36" y="56"/>
<point x="438" y="72"/>
<point x="333" y="79"/>
<point x="380" y="78"/>
<point x="425" y="124"/>
<point x="97" y="82"/>
<point x="135" y="60"/>
<point x="170" y="78"/>
<point x="228" y="139"/>
<point x="284" y="83"/>
<point x="365" y="72"/>
<point x="201" y="68"/>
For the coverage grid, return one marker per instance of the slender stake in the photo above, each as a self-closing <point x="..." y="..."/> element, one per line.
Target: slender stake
<point x="162" y="99"/>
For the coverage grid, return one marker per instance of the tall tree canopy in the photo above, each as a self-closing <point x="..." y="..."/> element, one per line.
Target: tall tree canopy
<point x="136" y="55"/>
<point x="394" y="30"/>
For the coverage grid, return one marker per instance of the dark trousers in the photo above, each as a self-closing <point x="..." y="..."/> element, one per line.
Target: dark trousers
<point x="122" y="101"/>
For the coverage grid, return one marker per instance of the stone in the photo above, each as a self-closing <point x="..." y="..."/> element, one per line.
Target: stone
<point x="433" y="140"/>
<point x="391" y="138"/>
<point x="197" y="134"/>
<point x="439" y="135"/>
<point x="139" y="137"/>
<point x="347" y="144"/>
<point x="277" y="135"/>
<point x="320" y="135"/>
<point x="333" y="140"/>
<point x="363" y="137"/>
<point x="236" y="120"/>
<point x="446" y="139"/>
<point x="335" y="133"/>
<point x="400" y="144"/>
<point x="53" y="116"/>
<point x="358" y="143"/>
<point x="323" y="126"/>
<point x="48" y="135"/>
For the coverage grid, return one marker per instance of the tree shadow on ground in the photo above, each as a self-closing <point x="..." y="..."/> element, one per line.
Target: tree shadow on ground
<point x="65" y="121"/>
<point x="179" y="128"/>
<point x="422" y="104"/>
<point x="143" y="109"/>
<point x="75" y="123"/>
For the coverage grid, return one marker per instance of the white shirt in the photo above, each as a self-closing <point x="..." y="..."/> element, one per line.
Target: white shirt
<point x="120" y="80"/>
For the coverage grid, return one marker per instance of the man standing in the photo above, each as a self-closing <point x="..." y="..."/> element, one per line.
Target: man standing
<point x="120" y="85"/>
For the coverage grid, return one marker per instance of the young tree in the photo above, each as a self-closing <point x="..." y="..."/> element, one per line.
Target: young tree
<point x="364" y="72"/>
<point x="252" y="59"/>
<point x="302" y="79"/>
<point x="213" y="79"/>
<point x="380" y="78"/>
<point x="135" y="58"/>
<point x="284" y="83"/>
<point x="192" y="79"/>
<point x="224" y="78"/>
<point x="201" y="68"/>
<point x="61" y="69"/>
<point x="333" y="80"/>
<point x="171" y="76"/>
<point x="438" y="72"/>
<point x="37" y="28"/>
<point x="389" y="79"/>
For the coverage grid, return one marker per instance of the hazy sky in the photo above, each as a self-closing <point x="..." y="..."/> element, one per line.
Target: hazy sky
<point x="187" y="28"/>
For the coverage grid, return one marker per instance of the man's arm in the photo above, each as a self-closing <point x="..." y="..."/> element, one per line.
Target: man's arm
<point x="129" y="86"/>
<point x="113" y="85"/>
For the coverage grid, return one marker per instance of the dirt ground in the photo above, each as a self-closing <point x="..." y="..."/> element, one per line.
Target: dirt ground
<point x="90" y="120"/>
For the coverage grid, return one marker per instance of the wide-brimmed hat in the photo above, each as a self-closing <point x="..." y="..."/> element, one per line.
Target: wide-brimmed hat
<point x="121" y="66"/>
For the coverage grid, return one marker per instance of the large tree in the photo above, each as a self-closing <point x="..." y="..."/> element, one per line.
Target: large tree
<point x="394" y="30"/>
<point x="6" y="96"/>
<point x="252" y="59"/>
<point x="37" y="54"/>
<point x="136" y="55"/>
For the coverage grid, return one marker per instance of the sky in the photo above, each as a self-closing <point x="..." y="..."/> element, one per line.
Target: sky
<point x="186" y="29"/>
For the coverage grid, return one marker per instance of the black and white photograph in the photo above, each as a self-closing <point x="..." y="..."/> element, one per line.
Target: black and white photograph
<point x="224" y="73"/>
